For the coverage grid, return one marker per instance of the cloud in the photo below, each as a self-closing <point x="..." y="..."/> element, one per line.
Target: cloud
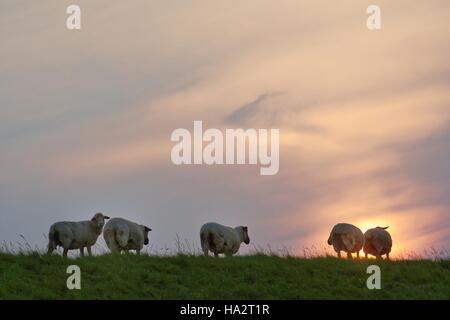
<point x="86" y="117"/>
<point x="246" y="112"/>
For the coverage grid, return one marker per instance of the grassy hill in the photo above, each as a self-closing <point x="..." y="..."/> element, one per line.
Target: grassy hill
<point x="192" y="277"/>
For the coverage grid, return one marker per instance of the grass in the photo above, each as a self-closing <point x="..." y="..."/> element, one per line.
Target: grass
<point x="36" y="276"/>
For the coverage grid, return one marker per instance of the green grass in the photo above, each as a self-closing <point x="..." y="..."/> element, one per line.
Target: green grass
<point x="194" y="277"/>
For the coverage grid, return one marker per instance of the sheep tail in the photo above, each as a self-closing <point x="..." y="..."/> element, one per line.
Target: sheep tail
<point x="203" y="238"/>
<point x="119" y="238"/>
<point x="53" y="240"/>
<point x="53" y="236"/>
<point x="211" y="243"/>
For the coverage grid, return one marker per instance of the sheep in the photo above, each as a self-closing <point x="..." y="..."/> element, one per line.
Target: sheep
<point x="76" y="235"/>
<point x="346" y="237"/>
<point x="377" y="241"/>
<point x="218" y="239"/>
<point x="121" y="234"/>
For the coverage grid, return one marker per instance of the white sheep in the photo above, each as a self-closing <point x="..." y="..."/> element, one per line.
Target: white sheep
<point x="219" y="239"/>
<point x="346" y="237"/>
<point x="121" y="234"/>
<point x="377" y="241"/>
<point x="76" y="235"/>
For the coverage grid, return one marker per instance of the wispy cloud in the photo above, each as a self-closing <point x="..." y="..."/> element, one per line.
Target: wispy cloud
<point x="364" y="116"/>
<point x="245" y="113"/>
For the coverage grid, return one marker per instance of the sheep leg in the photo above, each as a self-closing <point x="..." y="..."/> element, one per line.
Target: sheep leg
<point x="339" y="254"/>
<point x="89" y="250"/>
<point x="204" y="243"/>
<point x="114" y="247"/>
<point x="52" y="241"/>
<point x="387" y="256"/>
<point x="111" y="242"/>
<point x="216" y="254"/>
<point x="51" y="248"/>
<point x="357" y="255"/>
<point x="138" y="252"/>
<point x="205" y="248"/>
<point x="82" y="251"/>
<point x="66" y="243"/>
<point x="366" y="255"/>
<point x="349" y="255"/>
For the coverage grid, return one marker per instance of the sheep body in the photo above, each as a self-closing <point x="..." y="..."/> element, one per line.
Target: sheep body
<point x="75" y="235"/>
<point x="377" y="242"/>
<point x="121" y="234"/>
<point x="219" y="239"/>
<point x="346" y="237"/>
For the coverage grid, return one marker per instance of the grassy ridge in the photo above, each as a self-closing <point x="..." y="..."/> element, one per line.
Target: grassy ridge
<point x="190" y="277"/>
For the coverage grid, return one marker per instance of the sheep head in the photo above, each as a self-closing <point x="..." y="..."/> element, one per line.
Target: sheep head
<point x="99" y="220"/>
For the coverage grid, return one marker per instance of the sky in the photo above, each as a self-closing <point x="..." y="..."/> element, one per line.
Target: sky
<point x="364" y="117"/>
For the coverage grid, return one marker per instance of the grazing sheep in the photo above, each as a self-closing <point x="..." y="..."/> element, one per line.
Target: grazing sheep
<point x="121" y="234"/>
<point x="346" y="237"/>
<point x="218" y="239"/>
<point x="377" y="241"/>
<point x="76" y="235"/>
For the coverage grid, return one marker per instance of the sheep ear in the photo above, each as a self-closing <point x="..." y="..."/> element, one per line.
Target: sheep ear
<point x="245" y="229"/>
<point x="147" y="229"/>
<point x="106" y="217"/>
